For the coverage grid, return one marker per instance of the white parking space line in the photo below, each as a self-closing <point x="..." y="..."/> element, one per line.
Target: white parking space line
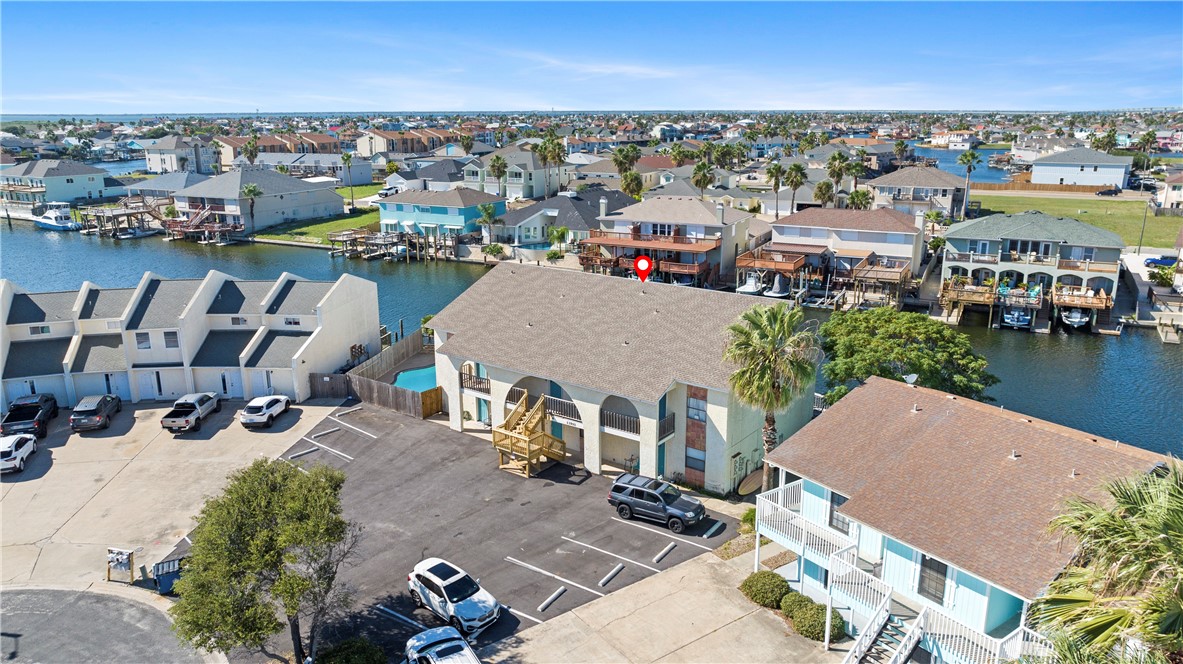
<point x="352" y="427"/>
<point x="609" y="553"/>
<point x="398" y="616"/>
<point x="295" y="466"/>
<point x="525" y="615"/>
<point x="707" y="534"/>
<point x="553" y="576"/>
<point x="654" y="530"/>
<point x="328" y="449"/>
<point x="296" y="455"/>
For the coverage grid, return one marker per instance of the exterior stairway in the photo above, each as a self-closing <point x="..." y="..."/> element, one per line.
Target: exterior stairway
<point x="887" y="642"/>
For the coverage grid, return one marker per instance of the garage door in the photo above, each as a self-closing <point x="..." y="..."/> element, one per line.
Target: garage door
<point x="55" y="385"/>
<point x="102" y="383"/>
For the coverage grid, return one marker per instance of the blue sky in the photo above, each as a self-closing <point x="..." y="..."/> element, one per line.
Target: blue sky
<point x="99" y="57"/>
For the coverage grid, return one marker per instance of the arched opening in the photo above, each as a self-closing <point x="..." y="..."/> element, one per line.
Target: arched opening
<point x="1042" y="279"/>
<point x="620" y="436"/>
<point x="1010" y="278"/>
<point x="1071" y="280"/>
<point x="958" y="271"/>
<point x="980" y="275"/>
<point x="1098" y="284"/>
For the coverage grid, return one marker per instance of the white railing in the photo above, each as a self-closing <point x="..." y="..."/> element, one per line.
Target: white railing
<point x="911" y="639"/>
<point x="866" y="638"/>
<point x="951" y="640"/>
<point x="776" y="519"/>
<point x="1024" y="642"/>
<point x="856" y="585"/>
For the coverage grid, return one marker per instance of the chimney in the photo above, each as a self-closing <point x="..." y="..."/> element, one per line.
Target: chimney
<point x="603" y="206"/>
<point x="920" y="220"/>
<point x="719" y="212"/>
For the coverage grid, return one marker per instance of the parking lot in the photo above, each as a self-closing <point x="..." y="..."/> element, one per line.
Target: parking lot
<point x="423" y="490"/>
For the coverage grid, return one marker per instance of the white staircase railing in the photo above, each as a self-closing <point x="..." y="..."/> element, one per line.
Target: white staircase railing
<point x="854" y="584"/>
<point x="866" y="638"/>
<point x="911" y="639"/>
<point x="955" y="641"/>
<point x="776" y="517"/>
<point x="1024" y="642"/>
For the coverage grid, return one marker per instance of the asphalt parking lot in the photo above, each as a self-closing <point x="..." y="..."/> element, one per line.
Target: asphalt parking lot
<point x="422" y="490"/>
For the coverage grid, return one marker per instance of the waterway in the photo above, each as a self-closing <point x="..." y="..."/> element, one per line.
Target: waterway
<point x="122" y="167"/>
<point x="1128" y="388"/>
<point x="947" y="161"/>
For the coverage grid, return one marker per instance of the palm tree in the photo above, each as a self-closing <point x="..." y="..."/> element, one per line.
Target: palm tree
<point x="557" y="235"/>
<point x="679" y="155"/>
<point x="824" y="192"/>
<point x="489" y="218"/>
<point x="900" y="149"/>
<point x="777" y="356"/>
<point x="836" y="168"/>
<point x="707" y="152"/>
<point x="1147" y="141"/>
<point x="859" y="199"/>
<point x="704" y="176"/>
<point x="1124" y="582"/>
<point x="558" y="152"/>
<point x="251" y="149"/>
<point x="347" y="161"/>
<point x="281" y="168"/>
<point x="855" y="169"/>
<point x="251" y="191"/>
<point x="970" y="160"/>
<point x="775" y="175"/>
<point x="795" y="177"/>
<point x="630" y="183"/>
<point x="499" y="169"/>
<point x="466" y="143"/>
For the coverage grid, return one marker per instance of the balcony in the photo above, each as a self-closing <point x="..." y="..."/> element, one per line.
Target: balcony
<point x="953" y="291"/>
<point x="778" y="517"/>
<point x="22" y="188"/>
<point x="648" y="241"/>
<point x="597" y="259"/>
<point x="666" y="427"/>
<point x="683" y="268"/>
<point x="763" y="258"/>
<point x="1087" y="266"/>
<point x="475" y="383"/>
<point x="555" y="407"/>
<point x="1028" y="259"/>
<point x="875" y="268"/>
<point x="1081" y="296"/>
<point x="620" y="422"/>
<point x="989" y="259"/>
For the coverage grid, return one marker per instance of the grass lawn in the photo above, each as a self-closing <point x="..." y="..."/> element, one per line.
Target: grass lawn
<point x="993" y="146"/>
<point x="1170" y="160"/>
<point x="1121" y="217"/>
<point x="360" y="190"/>
<point x="317" y="232"/>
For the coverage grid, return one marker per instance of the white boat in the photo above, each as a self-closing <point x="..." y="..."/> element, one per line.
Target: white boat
<point x="684" y="280"/>
<point x="1016" y="317"/>
<point x="56" y="217"/>
<point x="779" y="288"/>
<point x="751" y="287"/>
<point x="136" y="232"/>
<point x="1074" y="317"/>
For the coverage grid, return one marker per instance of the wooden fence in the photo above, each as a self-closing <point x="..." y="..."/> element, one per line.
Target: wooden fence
<point x="1029" y="186"/>
<point x="393" y="355"/>
<point x="1168" y="212"/>
<point x="364" y="382"/>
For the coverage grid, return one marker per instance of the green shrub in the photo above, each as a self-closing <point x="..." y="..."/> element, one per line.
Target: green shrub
<point x="810" y="622"/>
<point x="793" y="603"/>
<point x="554" y="255"/>
<point x="765" y="588"/>
<point x="493" y="250"/>
<point x="749" y="518"/>
<point x="358" y="650"/>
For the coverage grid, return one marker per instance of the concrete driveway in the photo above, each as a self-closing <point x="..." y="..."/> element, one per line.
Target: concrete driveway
<point x="133" y="486"/>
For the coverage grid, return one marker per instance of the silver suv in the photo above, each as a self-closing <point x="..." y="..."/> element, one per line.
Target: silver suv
<point x="637" y="495"/>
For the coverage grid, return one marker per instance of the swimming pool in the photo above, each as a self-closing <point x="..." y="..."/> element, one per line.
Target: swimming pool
<point x="419" y="380"/>
<point x="535" y="246"/>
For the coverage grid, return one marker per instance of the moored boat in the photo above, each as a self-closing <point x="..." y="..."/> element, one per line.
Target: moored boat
<point x="751" y="287"/>
<point x="56" y="217"/>
<point x="1074" y="317"/>
<point x="1016" y="317"/>
<point x="779" y="288"/>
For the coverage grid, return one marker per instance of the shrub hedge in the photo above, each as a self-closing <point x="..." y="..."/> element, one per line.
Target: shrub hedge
<point x="765" y="588"/>
<point x="794" y="602"/>
<point x="810" y="622"/>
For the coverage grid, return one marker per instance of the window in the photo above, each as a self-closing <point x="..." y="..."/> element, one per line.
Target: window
<point x="641" y="494"/>
<point x="1082" y="169"/>
<point x="237" y="320"/>
<point x="291" y="320"/>
<point x="932" y="579"/>
<point x="1094" y="169"/>
<point x="39" y="329"/>
<point x="696" y="409"/>
<point x="143" y="341"/>
<point x="696" y="459"/>
<point x="837" y="521"/>
<point x="69" y="180"/>
<point x="171" y="340"/>
<point x="663" y="229"/>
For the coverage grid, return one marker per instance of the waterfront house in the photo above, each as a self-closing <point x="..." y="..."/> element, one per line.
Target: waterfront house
<point x="168" y="337"/>
<point x="1082" y="166"/>
<point x="314" y="164"/>
<point x="56" y="180"/>
<point x="439" y="175"/>
<point x="180" y="153"/>
<point x="631" y="372"/>
<point x="525" y="176"/>
<point x="164" y="186"/>
<point x="578" y="212"/>
<point x="454" y="211"/>
<point x="919" y="189"/>
<point x="910" y="503"/>
<point x="689" y="240"/>
<point x="284" y="199"/>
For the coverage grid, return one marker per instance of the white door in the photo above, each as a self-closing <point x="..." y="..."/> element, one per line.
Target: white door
<point x="232" y="384"/>
<point x="117" y="384"/>
<point x="148" y="385"/>
<point x="17" y="388"/>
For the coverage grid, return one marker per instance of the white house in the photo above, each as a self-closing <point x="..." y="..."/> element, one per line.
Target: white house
<point x="180" y="153"/>
<point x="314" y="164"/>
<point x="284" y="198"/>
<point x="1082" y="166"/>
<point x="55" y="180"/>
<point x="919" y="189"/>
<point x="525" y="178"/>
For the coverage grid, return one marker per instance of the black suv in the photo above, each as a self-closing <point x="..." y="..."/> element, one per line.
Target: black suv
<point x="95" y="412"/>
<point x="636" y="495"/>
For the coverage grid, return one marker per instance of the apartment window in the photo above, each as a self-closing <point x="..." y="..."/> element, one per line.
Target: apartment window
<point x="143" y="341"/>
<point x="663" y="229"/>
<point x="837" y="521"/>
<point x="39" y="329"/>
<point x="1082" y="169"/>
<point x="696" y="409"/>
<point x="931" y="585"/>
<point x="291" y="320"/>
<point x="1094" y="169"/>
<point x="69" y="180"/>
<point x="171" y="340"/>
<point x="696" y="459"/>
<point x="237" y="320"/>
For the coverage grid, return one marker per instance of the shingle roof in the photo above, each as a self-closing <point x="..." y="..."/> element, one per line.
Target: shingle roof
<point x="43" y="357"/>
<point x="578" y="213"/>
<point x="229" y="185"/>
<point x="240" y="297"/>
<point x="221" y="348"/>
<point x="105" y="303"/>
<point x="632" y="339"/>
<point x="460" y="197"/>
<point x="677" y="210"/>
<point x="918" y="176"/>
<point x="1035" y="225"/>
<point x="940" y="479"/>
<point x="883" y="220"/>
<point x="162" y="303"/>
<point x="174" y="181"/>
<point x="99" y="352"/>
<point x="1083" y="156"/>
<point x="52" y="168"/>
<point x="41" y="307"/>
<point x="298" y="297"/>
<point x="277" y="350"/>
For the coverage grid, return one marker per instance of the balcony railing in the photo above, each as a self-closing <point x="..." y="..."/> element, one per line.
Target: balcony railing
<point x="597" y="259"/>
<point x="763" y="259"/>
<point x="554" y="405"/>
<point x="990" y="259"/>
<point x="1087" y="266"/>
<point x="620" y="422"/>
<point x="882" y="269"/>
<point x="665" y="428"/>
<point x="783" y="524"/>
<point x="639" y="239"/>
<point x="475" y="383"/>
<point x="683" y="268"/>
<point x="1080" y="296"/>
<point x="1029" y="259"/>
<point x="953" y="291"/>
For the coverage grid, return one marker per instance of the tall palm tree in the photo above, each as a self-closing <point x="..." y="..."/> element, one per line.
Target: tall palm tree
<point x="488" y="218"/>
<point x="855" y="169"/>
<point x="630" y="183"/>
<point x="970" y="160"/>
<point x="900" y="149"/>
<point x="498" y="168"/>
<point x="1124" y="582"/>
<point x="679" y="155"/>
<point x="707" y="152"/>
<point x="557" y="235"/>
<point x="775" y="176"/>
<point x="558" y="152"/>
<point x="704" y="176"/>
<point x="795" y="177"/>
<point x="859" y="199"/>
<point x="347" y="162"/>
<point x="466" y="142"/>
<point x="251" y="191"/>
<point x="823" y="193"/>
<point x="836" y="168"/>
<point x="776" y="356"/>
<point x="251" y="149"/>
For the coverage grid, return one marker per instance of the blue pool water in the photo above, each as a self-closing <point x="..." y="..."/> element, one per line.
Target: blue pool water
<point x="420" y="380"/>
<point x="535" y="245"/>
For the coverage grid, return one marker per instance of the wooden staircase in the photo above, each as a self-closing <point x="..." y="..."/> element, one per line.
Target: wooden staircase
<point x="888" y="641"/>
<point x="522" y="443"/>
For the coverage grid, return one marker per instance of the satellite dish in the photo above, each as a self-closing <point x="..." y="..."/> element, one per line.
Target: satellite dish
<point x="911" y="378"/>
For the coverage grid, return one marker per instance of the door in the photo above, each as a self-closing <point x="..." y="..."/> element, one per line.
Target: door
<point x="231" y="384"/>
<point x="661" y="460"/>
<point x="148" y="385"/>
<point x="482" y="411"/>
<point x="117" y="384"/>
<point x="433" y="597"/>
<point x="14" y="389"/>
<point x="647" y="504"/>
<point x="983" y="246"/>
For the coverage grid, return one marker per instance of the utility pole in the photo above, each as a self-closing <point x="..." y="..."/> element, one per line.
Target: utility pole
<point x="1145" y="210"/>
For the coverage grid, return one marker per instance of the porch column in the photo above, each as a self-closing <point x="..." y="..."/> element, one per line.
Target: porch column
<point x="647" y="448"/>
<point x="756" y="559"/>
<point x="590" y="412"/>
<point x="829" y="618"/>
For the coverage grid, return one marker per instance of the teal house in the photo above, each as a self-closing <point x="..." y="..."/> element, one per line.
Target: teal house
<point x="921" y="517"/>
<point x="437" y="213"/>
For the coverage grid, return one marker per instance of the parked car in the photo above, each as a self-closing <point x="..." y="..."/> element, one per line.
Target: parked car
<point x="437" y="646"/>
<point x="189" y="411"/>
<point x="95" y="412"/>
<point x="262" y="411"/>
<point x="1109" y="192"/>
<point x="450" y="593"/>
<point x="30" y="414"/>
<point x="1161" y="261"/>
<point x="15" y="452"/>
<point x="637" y="495"/>
<point x="1144" y="185"/>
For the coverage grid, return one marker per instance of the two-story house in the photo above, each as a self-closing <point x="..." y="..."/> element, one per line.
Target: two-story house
<point x="578" y="212"/>
<point x="919" y="189"/>
<point x="438" y="213"/>
<point x="313" y="164"/>
<point x="929" y="512"/>
<point x="439" y="175"/>
<point x="55" y="180"/>
<point x="691" y="241"/>
<point x="373" y="141"/>
<point x="525" y="177"/>
<point x="284" y="199"/>
<point x="497" y="343"/>
<point x="180" y="153"/>
<point x="1082" y="166"/>
<point x="1170" y="195"/>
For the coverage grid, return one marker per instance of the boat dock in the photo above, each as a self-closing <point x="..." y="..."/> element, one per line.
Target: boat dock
<point x="391" y="246"/>
<point x="133" y="216"/>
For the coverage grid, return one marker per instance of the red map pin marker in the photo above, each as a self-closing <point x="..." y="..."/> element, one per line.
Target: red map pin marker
<point x="643" y="266"/>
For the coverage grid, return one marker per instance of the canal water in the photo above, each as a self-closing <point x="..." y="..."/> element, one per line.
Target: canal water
<point x="1128" y="388"/>
<point x="947" y="161"/>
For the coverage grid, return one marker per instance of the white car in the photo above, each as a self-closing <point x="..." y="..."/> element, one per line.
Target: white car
<point x="15" y="451"/>
<point x="449" y="593"/>
<point x="439" y="646"/>
<point x="262" y="411"/>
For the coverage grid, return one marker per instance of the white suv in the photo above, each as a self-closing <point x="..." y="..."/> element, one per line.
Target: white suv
<point x="449" y="593"/>
<point x="442" y="645"/>
<point x="15" y="451"/>
<point x="262" y="411"/>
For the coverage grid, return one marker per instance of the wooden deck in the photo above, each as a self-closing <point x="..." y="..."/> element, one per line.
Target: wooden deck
<point x="763" y="258"/>
<point x="521" y="441"/>
<point x="1082" y="298"/>
<point x="966" y="294"/>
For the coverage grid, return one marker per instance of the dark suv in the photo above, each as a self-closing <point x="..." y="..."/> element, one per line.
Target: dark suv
<point x="95" y="412"/>
<point x="636" y="495"/>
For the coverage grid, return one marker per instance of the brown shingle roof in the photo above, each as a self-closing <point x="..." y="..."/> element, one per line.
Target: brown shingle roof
<point x="677" y="210"/>
<point x="918" y="176"/>
<point x="941" y="480"/>
<point x="883" y="220"/>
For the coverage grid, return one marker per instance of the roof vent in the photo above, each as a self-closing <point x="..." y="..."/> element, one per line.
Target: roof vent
<point x="1073" y="475"/>
<point x="624" y="344"/>
<point x="915" y="408"/>
<point x="1014" y="455"/>
<point x="950" y="396"/>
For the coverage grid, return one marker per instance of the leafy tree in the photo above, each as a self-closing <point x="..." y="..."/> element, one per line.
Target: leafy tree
<point x="489" y="218"/>
<point x="347" y="161"/>
<point x="493" y="250"/>
<point x="970" y="160"/>
<point x="795" y="177"/>
<point x="775" y="176"/>
<point x="498" y="168"/>
<point x="392" y="167"/>
<point x="679" y="154"/>
<point x="170" y="212"/>
<point x="1105" y="142"/>
<point x="271" y="545"/>
<point x="251" y="191"/>
<point x="281" y="168"/>
<point x="823" y="192"/>
<point x="557" y="235"/>
<point x="1125" y="581"/>
<point x="631" y="184"/>
<point x="251" y="149"/>
<point x="776" y="356"/>
<point x="936" y="244"/>
<point x="859" y="199"/>
<point x="703" y="177"/>
<point x="893" y="344"/>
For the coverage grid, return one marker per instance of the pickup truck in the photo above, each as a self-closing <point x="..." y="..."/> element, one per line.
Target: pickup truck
<point x="30" y="414"/>
<point x="189" y="411"/>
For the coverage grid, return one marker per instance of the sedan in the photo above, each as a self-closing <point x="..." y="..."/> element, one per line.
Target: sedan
<point x="95" y="412"/>
<point x="437" y="646"/>
<point x="262" y="411"/>
<point x="15" y="452"/>
<point x="1109" y="192"/>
